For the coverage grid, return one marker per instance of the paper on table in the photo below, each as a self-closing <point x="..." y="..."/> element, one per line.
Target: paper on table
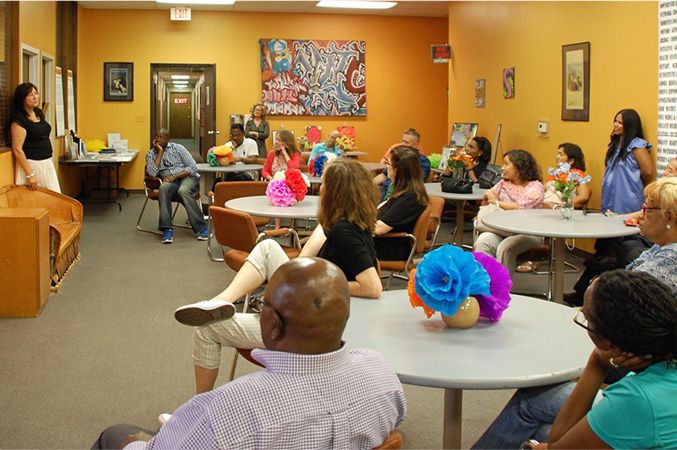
<point x="120" y="146"/>
<point x="113" y="137"/>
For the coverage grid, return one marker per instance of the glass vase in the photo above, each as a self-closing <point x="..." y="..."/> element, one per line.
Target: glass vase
<point x="566" y="211"/>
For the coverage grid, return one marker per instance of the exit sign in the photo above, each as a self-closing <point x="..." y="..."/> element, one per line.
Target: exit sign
<point x="180" y="14"/>
<point x="180" y="100"/>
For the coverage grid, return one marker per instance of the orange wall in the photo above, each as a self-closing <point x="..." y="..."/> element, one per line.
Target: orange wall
<point x="529" y="36"/>
<point x="404" y="88"/>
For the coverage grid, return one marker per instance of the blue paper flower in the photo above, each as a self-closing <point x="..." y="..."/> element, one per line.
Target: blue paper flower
<point x="447" y="276"/>
<point x="319" y="164"/>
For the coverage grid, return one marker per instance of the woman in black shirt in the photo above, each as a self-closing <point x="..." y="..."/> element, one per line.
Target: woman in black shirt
<point x="479" y="149"/>
<point x="405" y="204"/>
<point x="31" y="146"/>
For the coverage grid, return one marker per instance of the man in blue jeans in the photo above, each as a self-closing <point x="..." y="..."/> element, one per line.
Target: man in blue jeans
<point x="175" y="166"/>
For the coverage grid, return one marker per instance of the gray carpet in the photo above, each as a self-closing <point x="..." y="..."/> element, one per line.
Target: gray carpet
<point x="106" y="348"/>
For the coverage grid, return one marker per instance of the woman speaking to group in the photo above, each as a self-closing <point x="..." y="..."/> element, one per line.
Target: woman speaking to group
<point x="31" y="146"/>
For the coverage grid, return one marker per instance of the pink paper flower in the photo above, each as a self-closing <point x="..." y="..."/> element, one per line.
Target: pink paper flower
<point x="492" y="306"/>
<point x="279" y="193"/>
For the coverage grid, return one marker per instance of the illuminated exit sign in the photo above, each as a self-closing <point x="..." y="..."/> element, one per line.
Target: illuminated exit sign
<point x="181" y="100"/>
<point x="180" y="13"/>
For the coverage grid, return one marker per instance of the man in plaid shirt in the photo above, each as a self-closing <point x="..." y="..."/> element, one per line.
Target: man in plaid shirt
<point x="315" y="392"/>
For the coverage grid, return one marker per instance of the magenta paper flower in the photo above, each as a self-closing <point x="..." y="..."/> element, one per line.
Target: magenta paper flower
<point x="279" y="194"/>
<point x="492" y="306"/>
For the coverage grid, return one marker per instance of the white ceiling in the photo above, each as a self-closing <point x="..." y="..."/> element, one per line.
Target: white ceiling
<point x="406" y="8"/>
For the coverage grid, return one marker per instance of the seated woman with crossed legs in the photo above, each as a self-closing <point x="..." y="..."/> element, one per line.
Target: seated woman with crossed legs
<point x="346" y="219"/>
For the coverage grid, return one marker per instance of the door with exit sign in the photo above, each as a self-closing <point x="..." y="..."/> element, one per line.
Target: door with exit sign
<point x="180" y="115"/>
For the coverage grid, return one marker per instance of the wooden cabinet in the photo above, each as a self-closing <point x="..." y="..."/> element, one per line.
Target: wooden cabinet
<point x="24" y="261"/>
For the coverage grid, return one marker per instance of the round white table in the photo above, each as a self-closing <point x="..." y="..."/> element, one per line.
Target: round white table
<point x="348" y="154"/>
<point x="547" y="223"/>
<point x="259" y="205"/>
<point x="460" y="199"/>
<point x="207" y="180"/>
<point x="536" y="343"/>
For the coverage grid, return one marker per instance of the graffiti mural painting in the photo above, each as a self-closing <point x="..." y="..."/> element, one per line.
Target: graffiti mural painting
<point x="313" y="78"/>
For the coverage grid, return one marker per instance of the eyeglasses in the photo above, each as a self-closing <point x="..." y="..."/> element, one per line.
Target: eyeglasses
<point x="279" y="315"/>
<point x="582" y="321"/>
<point x="387" y="162"/>
<point x="646" y="208"/>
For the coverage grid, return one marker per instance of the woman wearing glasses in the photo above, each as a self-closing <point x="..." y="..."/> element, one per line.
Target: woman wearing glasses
<point x="346" y="219"/>
<point x="531" y="412"/>
<point x="625" y="314"/>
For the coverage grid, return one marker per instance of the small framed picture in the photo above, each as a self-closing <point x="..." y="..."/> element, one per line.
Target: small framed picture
<point x="576" y="82"/>
<point x="118" y="82"/>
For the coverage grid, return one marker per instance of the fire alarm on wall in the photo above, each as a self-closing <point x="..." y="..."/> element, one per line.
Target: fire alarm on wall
<point x="543" y="128"/>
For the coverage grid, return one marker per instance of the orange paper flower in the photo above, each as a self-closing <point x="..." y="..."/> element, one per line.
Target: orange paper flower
<point x="414" y="299"/>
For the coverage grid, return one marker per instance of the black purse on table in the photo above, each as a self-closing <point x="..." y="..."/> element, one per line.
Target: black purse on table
<point x="491" y="175"/>
<point x="456" y="185"/>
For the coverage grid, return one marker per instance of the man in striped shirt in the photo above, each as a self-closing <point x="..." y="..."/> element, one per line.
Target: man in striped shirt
<point x="315" y="392"/>
<point x="174" y="165"/>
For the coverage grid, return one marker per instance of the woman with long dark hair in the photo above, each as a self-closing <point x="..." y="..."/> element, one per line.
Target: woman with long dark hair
<point x="405" y="204"/>
<point x="32" y="149"/>
<point x="628" y="165"/>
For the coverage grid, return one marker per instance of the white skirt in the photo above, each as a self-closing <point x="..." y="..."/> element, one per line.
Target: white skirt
<point x="45" y="172"/>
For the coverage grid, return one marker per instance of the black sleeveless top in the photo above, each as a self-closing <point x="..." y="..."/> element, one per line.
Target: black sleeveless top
<point x="37" y="145"/>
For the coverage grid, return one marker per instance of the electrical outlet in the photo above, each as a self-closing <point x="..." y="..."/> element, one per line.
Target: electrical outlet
<point x="139" y="119"/>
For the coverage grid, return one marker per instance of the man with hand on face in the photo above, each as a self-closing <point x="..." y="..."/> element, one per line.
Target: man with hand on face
<point x="174" y="165"/>
<point x="245" y="151"/>
<point x="315" y="392"/>
<point x="328" y="146"/>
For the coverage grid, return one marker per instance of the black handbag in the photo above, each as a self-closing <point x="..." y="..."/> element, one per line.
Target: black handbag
<point x="457" y="185"/>
<point x="491" y="175"/>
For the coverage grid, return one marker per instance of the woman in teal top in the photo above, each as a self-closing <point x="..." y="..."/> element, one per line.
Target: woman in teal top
<point x="625" y="314"/>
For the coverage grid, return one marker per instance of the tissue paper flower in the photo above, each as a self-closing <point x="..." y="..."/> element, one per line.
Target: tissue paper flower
<point x="447" y="276"/>
<point x="414" y="299"/>
<point x="215" y="154"/>
<point x="279" y="193"/>
<point x="320" y="162"/>
<point x="297" y="183"/>
<point x="493" y="305"/>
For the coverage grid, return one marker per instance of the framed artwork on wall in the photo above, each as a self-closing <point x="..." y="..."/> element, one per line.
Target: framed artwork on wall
<point x="509" y="82"/>
<point x="576" y="82"/>
<point x="118" y="82"/>
<point x="461" y="133"/>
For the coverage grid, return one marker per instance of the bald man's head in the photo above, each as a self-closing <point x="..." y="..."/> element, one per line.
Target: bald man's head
<point x="306" y="307"/>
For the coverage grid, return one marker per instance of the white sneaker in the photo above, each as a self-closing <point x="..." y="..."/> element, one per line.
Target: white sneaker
<point x="164" y="418"/>
<point x="205" y="312"/>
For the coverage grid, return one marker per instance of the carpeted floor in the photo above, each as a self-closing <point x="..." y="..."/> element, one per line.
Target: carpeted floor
<point x="106" y="349"/>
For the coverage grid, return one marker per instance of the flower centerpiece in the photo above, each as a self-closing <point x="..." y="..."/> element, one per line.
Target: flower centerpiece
<point x="287" y="187"/>
<point x="565" y="180"/>
<point x="345" y="143"/>
<point x="462" y="286"/>
<point x="220" y="156"/>
<point x="317" y="165"/>
<point x="458" y="161"/>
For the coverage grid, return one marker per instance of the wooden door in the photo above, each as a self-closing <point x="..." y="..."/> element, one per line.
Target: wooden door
<point x="180" y="115"/>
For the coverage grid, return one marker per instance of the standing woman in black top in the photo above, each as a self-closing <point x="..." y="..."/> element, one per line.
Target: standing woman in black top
<point x="405" y="204"/>
<point x="257" y="128"/>
<point x="31" y="146"/>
